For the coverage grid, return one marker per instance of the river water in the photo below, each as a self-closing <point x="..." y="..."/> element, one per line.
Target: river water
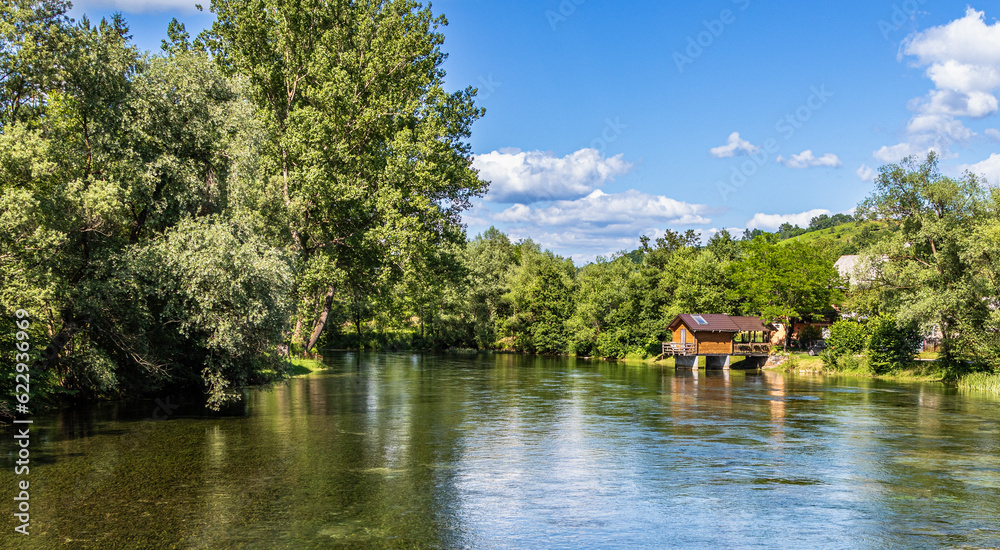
<point x="506" y="451"/>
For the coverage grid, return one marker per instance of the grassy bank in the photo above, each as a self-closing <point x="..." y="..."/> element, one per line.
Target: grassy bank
<point x="306" y="366"/>
<point x="918" y="371"/>
<point x="981" y="381"/>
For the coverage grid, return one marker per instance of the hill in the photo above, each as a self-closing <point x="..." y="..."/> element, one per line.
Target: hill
<point x="841" y="239"/>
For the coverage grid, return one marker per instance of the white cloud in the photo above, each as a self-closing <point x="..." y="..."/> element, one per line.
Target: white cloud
<point x="137" y="6"/>
<point x="993" y="134"/>
<point x="528" y="177"/>
<point x="962" y="59"/>
<point x="806" y="159"/>
<point x="989" y="168"/>
<point x="600" y="210"/>
<point x="771" y="222"/>
<point x="918" y="147"/>
<point x="735" y="145"/>
<point x="866" y="173"/>
<point x="600" y="223"/>
<point x="945" y="126"/>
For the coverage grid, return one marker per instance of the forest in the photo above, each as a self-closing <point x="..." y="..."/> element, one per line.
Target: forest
<point x="292" y="180"/>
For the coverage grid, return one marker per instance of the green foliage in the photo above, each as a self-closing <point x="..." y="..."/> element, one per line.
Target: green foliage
<point x="541" y="298"/>
<point x="365" y="154"/>
<point x="891" y="344"/>
<point x="936" y="263"/>
<point x="848" y="337"/>
<point x="783" y="282"/>
<point x="489" y="259"/>
<point x="980" y="381"/>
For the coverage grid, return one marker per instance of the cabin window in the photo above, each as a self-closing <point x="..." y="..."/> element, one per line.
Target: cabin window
<point x="684" y="335"/>
<point x="699" y="319"/>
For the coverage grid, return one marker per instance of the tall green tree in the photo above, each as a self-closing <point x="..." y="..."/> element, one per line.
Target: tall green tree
<point x="784" y="282"/>
<point x="489" y="259"/>
<point x="935" y="264"/>
<point x="365" y="148"/>
<point x="541" y="298"/>
<point x="102" y="176"/>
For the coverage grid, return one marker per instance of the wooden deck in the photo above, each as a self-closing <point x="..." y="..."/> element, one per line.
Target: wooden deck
<point x="691" y="349"/>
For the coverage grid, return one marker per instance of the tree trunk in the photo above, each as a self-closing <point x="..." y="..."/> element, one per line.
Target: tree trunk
<point x="357" y="327"/>
<point x="297" y="332"/>
<point x="321" y="322"/>
<point x="51" y="353"/>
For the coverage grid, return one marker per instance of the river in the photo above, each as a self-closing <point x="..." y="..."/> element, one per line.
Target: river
<point x="508" y="451"/>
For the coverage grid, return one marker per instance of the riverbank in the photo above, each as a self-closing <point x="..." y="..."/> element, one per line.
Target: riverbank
<point x="302" y="366"/>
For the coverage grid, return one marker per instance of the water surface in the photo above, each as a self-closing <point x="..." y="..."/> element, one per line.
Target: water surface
<point x="504" y="451"/>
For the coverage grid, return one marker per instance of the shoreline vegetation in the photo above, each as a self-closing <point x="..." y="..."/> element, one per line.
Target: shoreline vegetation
<point x="191" y="219"/>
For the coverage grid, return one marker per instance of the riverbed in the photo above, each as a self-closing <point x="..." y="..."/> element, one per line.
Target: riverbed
<point x="507" y="451"/>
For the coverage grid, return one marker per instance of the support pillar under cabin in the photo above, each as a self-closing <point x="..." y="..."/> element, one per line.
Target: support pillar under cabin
<point x="716" y="361"/>
<point x="686" y="361"/>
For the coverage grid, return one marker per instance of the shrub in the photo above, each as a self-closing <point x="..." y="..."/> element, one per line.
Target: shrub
<point x="809" y="334"/>
<point x="890" y="344"/>
<point x="847" y="337"/>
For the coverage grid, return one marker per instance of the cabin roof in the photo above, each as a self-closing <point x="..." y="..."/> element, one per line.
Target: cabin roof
<point x="719" y="322"/>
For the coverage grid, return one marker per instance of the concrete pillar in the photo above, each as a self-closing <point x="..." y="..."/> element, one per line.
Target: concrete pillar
<point x="686" y="361"/>
<point x="717" y="362"/>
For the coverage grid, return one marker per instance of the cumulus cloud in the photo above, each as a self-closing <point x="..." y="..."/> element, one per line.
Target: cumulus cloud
<point x="528" y="177"/>
<point x="600" y="209"/>
<point x="600" y="223"/>
<point x="962" y="59"/>
<point x="866" y="173"/>
<point x="919" y="146"/>
<point x="806" y="159"/>
<point x="137" y="6"/>
<point x="989" y="168"/>
<point x="735" y="145"/>
<point x="771" y="222"/>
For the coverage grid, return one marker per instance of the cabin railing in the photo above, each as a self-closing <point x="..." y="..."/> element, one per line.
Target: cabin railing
<point x="678" y="348"/>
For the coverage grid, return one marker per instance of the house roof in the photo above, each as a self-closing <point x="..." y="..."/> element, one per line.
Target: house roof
<point x="719" y="322"/>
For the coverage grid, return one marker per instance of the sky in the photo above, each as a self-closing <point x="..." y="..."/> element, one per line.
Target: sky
<point x="606" y="121"/>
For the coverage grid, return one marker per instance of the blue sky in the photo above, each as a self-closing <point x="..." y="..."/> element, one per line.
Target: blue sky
<point x="606" y="121"/>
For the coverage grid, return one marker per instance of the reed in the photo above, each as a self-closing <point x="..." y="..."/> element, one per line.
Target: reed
<point x="982" y="381"/>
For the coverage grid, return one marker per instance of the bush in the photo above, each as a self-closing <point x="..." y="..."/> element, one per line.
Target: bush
<point x="890" y="344"/>
<point x="809" y="334"/>
<point x="847" y="337"/>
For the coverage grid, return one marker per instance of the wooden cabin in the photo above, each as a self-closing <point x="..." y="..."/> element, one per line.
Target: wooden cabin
<point x="718" y="334"/>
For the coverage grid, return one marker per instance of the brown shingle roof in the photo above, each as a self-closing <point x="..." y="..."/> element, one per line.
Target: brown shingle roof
<point x="719" y="322"/>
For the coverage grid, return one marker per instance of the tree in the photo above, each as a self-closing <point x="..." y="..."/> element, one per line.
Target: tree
<point x="113" y="161"/>
<point x="541" y="298"/>
<point x="784" y="281"/>
<point x="366" y="155"/>
<point x="489" y="259"/>
<point x="605" y="321"/>
<point x="935" y="262"/>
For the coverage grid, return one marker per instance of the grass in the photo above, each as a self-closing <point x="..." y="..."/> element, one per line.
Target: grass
<point x="306" y="366"/>
<point x="917" y="371"/>
<point x="840" y="235"/>
<point x="981" y="381"/>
